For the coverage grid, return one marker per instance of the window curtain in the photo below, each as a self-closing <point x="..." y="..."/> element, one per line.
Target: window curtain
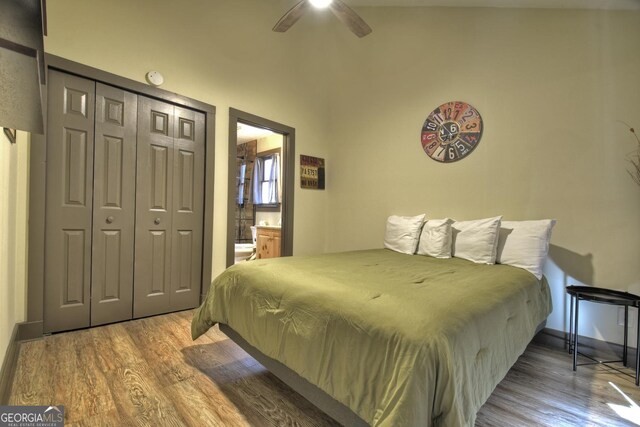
<point x="266" y="183"/>
<point x="258" y="168"/>
<point x="274" y="180"/>
<point x="241" y="178"/>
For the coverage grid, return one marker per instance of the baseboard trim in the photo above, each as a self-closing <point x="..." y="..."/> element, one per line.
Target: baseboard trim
<point x="594" y="347"/>
<point x="28" y="331"/>
<point x="8" y="367"/>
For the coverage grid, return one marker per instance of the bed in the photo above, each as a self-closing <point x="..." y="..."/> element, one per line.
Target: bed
<point x="395" y="339"/>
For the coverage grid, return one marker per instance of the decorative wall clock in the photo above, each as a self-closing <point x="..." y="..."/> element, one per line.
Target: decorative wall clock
<point x="451" y="132"/>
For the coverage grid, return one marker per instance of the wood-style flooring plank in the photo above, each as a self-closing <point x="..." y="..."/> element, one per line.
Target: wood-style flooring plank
<point x="269" y="396"/>
<point x="83" y="391"/>
<point x="160" y="352"/>
<point x="139" y="397"/>
<point x="201" y="403"/>
<point x="94" y="396"/>
<point x="34" y="388"/>
<point x="149" y="372"/>
<point x="542" y="389"/>
<point x="108" y="419"/>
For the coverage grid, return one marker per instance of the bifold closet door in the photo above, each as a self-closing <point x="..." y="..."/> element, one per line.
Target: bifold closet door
<point x="113" y="205"/>
<point x="91" y="140"/>
<point x="124" y="205"/>
<point x="188" y="209"/>
<point x="169" y="208"/>
<point x="153" y="213"/>
<point x="70" y="135"/>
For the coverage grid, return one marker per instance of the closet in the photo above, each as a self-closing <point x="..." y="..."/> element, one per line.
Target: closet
<point x="124" y="205"/>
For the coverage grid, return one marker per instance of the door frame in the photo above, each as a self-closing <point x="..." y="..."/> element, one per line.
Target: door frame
<point x="288" y="176"/>
<point x="33" y="327"/>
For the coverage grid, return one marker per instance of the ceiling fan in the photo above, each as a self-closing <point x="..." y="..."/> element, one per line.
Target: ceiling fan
<point x="343" y="12"/>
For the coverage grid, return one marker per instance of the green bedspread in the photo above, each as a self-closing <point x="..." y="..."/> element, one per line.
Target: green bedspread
<point x="401" y="340"/>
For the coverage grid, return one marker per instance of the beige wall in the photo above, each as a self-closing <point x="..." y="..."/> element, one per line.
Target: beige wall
<point x="14" y="163"/>
<point x="550" y="85"/>
<point x="222" y="53"/>
<point x="270" y="142"/>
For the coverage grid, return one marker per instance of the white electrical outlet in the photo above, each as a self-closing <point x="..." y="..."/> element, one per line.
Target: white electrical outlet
<point x="632" y="317"/>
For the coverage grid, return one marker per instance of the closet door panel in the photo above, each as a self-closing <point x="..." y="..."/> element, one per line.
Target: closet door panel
<point x="188" y="208"/>
<point x="70" y="136"/>
<point x="113" y="205"/>
<point x="154" y="179"/>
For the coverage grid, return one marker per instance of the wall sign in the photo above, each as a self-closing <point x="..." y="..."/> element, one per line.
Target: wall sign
<point x="451" y="132"/>
<point x="311" y="172"/>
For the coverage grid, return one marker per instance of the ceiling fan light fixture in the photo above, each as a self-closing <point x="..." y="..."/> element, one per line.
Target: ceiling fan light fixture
<point x="321" y="4"/>
<point x="343" y="12"/>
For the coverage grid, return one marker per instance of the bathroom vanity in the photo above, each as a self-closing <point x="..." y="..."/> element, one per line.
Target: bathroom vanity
<point x="268" y="241"/>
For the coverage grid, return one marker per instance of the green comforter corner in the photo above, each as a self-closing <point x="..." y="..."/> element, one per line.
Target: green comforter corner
<point x="401" y="340"/>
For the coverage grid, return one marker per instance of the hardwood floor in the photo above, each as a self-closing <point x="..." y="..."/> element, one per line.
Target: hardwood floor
<point x="149" y="372"/>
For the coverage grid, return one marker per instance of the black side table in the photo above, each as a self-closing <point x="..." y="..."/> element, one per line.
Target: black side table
<point x="602" y="296"/>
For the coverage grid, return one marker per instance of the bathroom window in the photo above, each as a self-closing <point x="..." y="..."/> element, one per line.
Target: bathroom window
<point x="266" y="180"/>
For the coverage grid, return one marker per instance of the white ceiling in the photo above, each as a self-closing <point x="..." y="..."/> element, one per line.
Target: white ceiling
<point x="541" y="4"/>
<point x="248" y="133"/>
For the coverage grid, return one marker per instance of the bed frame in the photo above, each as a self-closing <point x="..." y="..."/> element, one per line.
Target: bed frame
<point x="327" y="404"/>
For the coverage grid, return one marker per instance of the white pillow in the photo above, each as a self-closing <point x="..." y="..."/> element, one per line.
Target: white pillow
<point x="402" y="233"/>
<point x="435" y="239"/>
<point x="476" y="240"/>
<point x="525" y="244"/>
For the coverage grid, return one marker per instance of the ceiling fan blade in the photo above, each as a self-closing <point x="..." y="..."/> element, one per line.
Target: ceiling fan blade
<point x="292" y="16"/>
<point x="351" y="19"/>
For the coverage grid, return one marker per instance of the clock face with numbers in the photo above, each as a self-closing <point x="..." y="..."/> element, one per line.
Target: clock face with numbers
<point x="451" y="132"/>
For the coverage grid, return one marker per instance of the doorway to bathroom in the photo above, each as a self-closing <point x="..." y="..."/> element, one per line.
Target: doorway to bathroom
<point x="261" y="174"/>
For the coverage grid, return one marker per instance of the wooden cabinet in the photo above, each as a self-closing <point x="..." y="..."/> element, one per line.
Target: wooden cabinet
<point x="268" y="242"/>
